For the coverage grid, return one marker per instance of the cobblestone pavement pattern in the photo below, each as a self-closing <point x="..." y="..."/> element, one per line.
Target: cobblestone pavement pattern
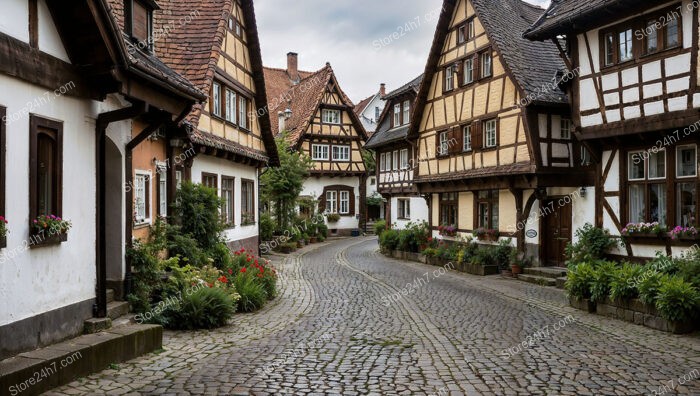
<point x="335" y="329"/>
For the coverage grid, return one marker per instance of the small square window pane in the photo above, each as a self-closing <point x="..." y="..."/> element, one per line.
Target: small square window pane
<point x="637" y="204"/>
<point x="687" y="199"/>
<point x="657" y="165"/>
<point x="635" y="164"/>
<point x="657" y="203"/>
<point x="686" y="161"/>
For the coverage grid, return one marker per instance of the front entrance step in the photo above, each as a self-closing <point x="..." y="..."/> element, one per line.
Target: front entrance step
<point x="561" y="282"/>
<point x="546" y="272"/>
<point x="538" y="280"/>
<point x="110" y="295"/>
<point x="116" y="309"/>
<point x="95" y="325"/>
<point x="64" y="362"/>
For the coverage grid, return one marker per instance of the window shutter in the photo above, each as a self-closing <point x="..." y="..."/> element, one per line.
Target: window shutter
<point x="351" y="196"/>
<point x="476" y="135"/>
<point x="458" y="140"/>
<point x="437" y="143"/>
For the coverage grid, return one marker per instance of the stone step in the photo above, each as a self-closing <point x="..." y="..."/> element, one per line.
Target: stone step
<point x="95" y="325"/>
<point x="64" y="362"/>
<point x="538" y="280"/>
<point x="110" y="295"/>
<point x="116" y="309"/>
<point x="561" y="282"/>
<point x="546" y="272"/>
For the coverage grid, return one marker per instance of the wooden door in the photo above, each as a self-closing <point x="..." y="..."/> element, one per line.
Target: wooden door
<point x="557" y="231"/>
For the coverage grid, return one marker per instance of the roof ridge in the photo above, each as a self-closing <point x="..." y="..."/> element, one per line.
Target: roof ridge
<point x="284" y="70"/>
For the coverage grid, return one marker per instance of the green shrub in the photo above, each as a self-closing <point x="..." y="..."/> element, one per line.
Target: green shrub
<point x="592" y="244"/>
<point x="484" y="256"/>
<point x="579" y="281"/>
<point x="252" y="292"/>
<point x="389" y="239"/>
<point x="677" y="299"/>
<point x="197" y="213"/>
<point x="405" y="241"/>
<point x="623" y="283"/>
<point x="186" y="248"/>
<point x="604" y="273"/>
<point x="648" y="285"/>
<point x="688" y="267"/>
<point x="205" y="308"/>
<point x="220" y="255"/>
<point x="430" y="252"/>
<point x="267" y="227"/>
<point x="504" y="254"/>
<point x="468" y="252"/>
<point x="322" y="232"/>
<point x="145" y="264"/>
<point x="379" y="227"/>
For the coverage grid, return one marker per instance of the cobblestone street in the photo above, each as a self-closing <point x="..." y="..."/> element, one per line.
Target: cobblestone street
<point x="346" y="322"/>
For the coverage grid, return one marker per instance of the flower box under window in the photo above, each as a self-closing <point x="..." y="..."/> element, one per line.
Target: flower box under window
<point x="3" y="242"/>
<point x="47" y="239"/>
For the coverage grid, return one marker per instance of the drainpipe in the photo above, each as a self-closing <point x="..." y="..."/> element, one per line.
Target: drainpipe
<point x="260" y="208"/>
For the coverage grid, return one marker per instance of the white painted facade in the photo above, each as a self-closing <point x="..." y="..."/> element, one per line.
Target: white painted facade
<point x="314" y="186"/>
<point x="222" y="167"/>
<point x="419" y="211"/>
<point x="370" y="114"/>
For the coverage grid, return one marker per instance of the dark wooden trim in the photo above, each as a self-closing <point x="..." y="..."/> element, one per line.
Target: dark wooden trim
<point x="211" y="175"/>
<point x="253" y="212"/>
<point x="3" y="163"/>
<point x="338" y="188"/>
<point x="56" y="127"/>
<point x="33" y="23"/>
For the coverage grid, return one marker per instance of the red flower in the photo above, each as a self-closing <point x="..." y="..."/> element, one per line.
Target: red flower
<point x="230" y="272"/>
<point x="248" y="259"/>
<point x="260" y="275"/>
<point x="256" y="261"/>
<point x="244" y="269"/>
<point x="210" y="285"/>
<point x="223" y="279"/>
<point x="430" y="239"/>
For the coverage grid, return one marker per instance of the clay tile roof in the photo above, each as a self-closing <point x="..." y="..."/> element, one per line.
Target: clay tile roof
<point x="564" y="16"/>
<point x="362" y="105"/>
<point x="493" y="171"/>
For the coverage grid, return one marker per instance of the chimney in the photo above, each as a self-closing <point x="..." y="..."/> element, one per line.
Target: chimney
<point x="382" y="90"/>
<point x="293" y="66"/>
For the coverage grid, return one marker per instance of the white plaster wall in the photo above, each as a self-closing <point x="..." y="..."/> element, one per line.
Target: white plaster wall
<point x="612" y="183"/>
<point x="15" y="14"/>
<point x="369" y="114"/>
<point x="419" y="211"/>
<point x="314" y="186"/>
<point x="583" y="211"/>
<point x="38" y="280"/>
<point x="49" y="39"/>
<point x="222" y="167"/>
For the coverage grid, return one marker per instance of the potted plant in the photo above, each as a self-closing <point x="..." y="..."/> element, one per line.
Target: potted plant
<point x="484" y="234"/>
<point x="49" y="229"/>
<point x="687" y="233"/>
<point x="644" y="230"/>
<point x="447" y="230"/>
<point x="519" y="264"/>
<point x="3" y="232"/>
<point x="333" y="217"/>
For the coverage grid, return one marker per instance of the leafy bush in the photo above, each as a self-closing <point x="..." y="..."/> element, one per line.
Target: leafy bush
<point x="504" y="254"/>
<point x="592" y="243"/>
<point x="430" y="252"/>
<point x="579" y="281"/>
<point x="197" y="212"/>
<point x="186" y="248"/>
<point x="622" y="284"/>
<point x="688" y="267"/>
<point x="648" y="285"/>
<point x="468" y="252"/>
<point x="252" y="292"/>
<point x="484" y="256"/>
<point x="379" y="227"/>
<point x="389" y="240"/>
<point x="333" y="217"/>
<point x="145" y="264"/>
<point x="604" y="273"/>
<point x="322" y="232"/>
<point x="220" y="255"/>
<point x="267" y="227"/>
<point x="205" y="308"/>
<point x="677" y="299"/>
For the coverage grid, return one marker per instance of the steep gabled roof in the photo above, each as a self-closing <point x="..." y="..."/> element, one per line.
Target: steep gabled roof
<point x="564" y="16"/>
<point x="304" y="99"/>
<point x="532" y="65"/>
<point x="362" y="105"/>
<point x="193" y="48"/>
<point x="385" y="134"/>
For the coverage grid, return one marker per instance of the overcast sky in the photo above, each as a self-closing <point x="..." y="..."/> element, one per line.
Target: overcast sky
<point x="358" y="38"/>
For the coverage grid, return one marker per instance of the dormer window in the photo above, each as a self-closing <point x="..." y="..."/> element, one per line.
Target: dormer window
<point x="140" y="22"/>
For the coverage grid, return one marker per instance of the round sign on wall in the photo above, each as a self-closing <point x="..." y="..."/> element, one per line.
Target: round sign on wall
<point x="531" y="233"/>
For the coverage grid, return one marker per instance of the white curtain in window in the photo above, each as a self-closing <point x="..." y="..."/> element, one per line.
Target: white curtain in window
<point x="636" y="201"/>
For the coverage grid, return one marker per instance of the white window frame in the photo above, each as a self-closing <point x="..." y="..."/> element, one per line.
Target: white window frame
<point x="382" y="158"/>
<point x="648" y="164"/>
<point x="443" y="138"/>
<point x="406" y="112"/>
<point x="231" y="105"/>
<point x="467" y="138"/>
<point x="216" y="106"/>
<point x="696" y="161"/>
<point x="490" y="134"/>
<point x="341" y="153"/>
<point x="449" y="79"/>
<point x="403" y="159"/>
<point x="145" y="177"/>
<point x="331" y="201"/>
<point x="397" y="114"/>
<point x="468" y="70"/>
<point x="388" y="162"/>
<point x="395" y="160"/>
<point x="630" y="161"/>
<point x="486" y="58"/>
<point x="162" y="188"/>
<point x="461" y="36"/>
<point x="470" y="33"/>
<point x="403" y="209"/>
<point x="565" y="132"/>
<point x="344" y="202"/>
<point x="319" y="152"/>
<point x="242" y="112"/>
<point x="330" y="116"/>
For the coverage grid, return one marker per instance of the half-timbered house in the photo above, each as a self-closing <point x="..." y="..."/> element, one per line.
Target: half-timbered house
<point x="396" y="158"/>
<point x="75" y="97"/>
<point x="317" y="118"/>
<point x="226" y="141"/>
<point x="370" y="109"/>
<point x="493" y="130"/>
<point x="635" y="102"/>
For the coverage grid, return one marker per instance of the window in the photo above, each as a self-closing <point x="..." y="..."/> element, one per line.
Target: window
<point x="178" y="179"/>
<point x="242" y="112"/>
<point x="652" y="38"/>
<point x="672" y="32"/>
<point x="210" y="180"/>
<point x="377" y="113"/>
<point x="230" y="106"/>
<point x="686" y="161"/>
<point x="227" y="195"/>
<point x="443" y="145"/>
<point x="686" y="188"/>
<point x="403" y="209"/>
<point x="247" y="202"/>
<point x="404" y="159"/>
<point x="162" y="190"/>
<point x="461" y="34"/>
<point x="469" y="70"/>
<point x="330" y="116"/>
<point x="46" y="167"/>
<point x="381" y="162"/>
<point x="344" y="202"/>
<point x="467" y="138"/>
<point x="448" y="209"/>
<point x="486" y="64"/>
<point x="565" y="128"/>
<point x="449" y="78"/>
<point x="142" y="189"/>
<point x="395" y="157"/>
<point x="331" y="201"/>
<point x="239" y="29"/>
<point x="341" y="153"/>
<point x="647" y="187"/>
<point x="470" y="30"/>
<point x="397" y="114"/>
<point x="624" y="45"/>
<point x="388" y="162"/>
<point x="234" y="26"/>
<point x="141" y="24"/>
<point x="491" y="133"/>
<point x="487" y="209"/>
<point x="406" y="112"/>
<point x="319" y="152"/>
<point x="216" y="99"/>
<point x="609" y="49"/>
